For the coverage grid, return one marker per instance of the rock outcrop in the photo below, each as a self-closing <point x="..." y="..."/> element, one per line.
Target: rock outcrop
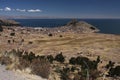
<point x="81" y="26"/>
<point x="75" y="27"/>
<point x="4" y="22"/>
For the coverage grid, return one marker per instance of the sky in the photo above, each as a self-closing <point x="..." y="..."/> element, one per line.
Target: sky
<point x="61" y="8"/>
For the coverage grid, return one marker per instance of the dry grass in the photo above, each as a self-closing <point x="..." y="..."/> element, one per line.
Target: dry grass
<point x="95" y="43"/>
<point x="40" y="67"/>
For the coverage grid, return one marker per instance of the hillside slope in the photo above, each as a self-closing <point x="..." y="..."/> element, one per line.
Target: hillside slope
<point x="4" y="22"/>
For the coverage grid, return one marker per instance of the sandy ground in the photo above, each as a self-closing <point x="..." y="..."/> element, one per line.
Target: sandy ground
<point x="11" y="75"/>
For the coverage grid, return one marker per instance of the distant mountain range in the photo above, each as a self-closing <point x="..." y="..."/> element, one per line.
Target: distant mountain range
<point x="44" y="17"/>
<point x="27" y="17"/>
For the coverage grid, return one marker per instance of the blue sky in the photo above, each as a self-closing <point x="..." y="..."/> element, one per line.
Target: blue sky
<point x="61" y="8"/>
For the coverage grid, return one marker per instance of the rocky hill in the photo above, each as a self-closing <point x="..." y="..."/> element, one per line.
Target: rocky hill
<point x="81" y="26"/>
<point x="74" y="26"/>
<point x="4" y="22"/>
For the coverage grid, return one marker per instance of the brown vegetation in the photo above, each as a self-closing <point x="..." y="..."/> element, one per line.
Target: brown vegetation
<point x="40" y="67"/>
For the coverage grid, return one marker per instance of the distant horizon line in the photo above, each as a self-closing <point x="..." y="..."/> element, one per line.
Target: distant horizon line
<point x="45" y="17"/>
<point x="64" y="18"/>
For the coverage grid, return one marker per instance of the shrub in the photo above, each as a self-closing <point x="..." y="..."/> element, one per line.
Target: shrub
<point x="50" y="34"/>
<point x="5" y="60"/>
<point x="9" y="41"/>
<point x="94" y="74"/>
<point x="40" y="67"/>
<point x="61" y="36"/>
<point x="13" y="40"/>
<point x="41" y="57"/>
<point x="1" y="28"/>
<point x="81" y="60"/>
<point x="86" y="63"/>
<point x="77" y="77"/>
<point x="98" y="59"/>
<point x="117" y="71"/>
<point x="60" y="58"/>
<point x="72" y="60"/>
<point x="23" y="64"/>
<point x="73" y="68"/>
<point x="110" y="65"/>
<point x="64" y="74"/>
<point x="31" y="56"/>
<point x="114" y="71"/>
<point x="12" y="34"/>
<point x="22" y="40"/>
<point x="25" y="55"/>
<point x="91" y="74"/>
<point x="19" y="53"/>
<point x="94" y="65"/>
<point x="30" y="42"/>
<point x="66" y="70"/>
<point x="50" y="58"/>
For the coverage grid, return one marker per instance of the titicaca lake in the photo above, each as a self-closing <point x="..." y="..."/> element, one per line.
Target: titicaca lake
<point x="109" y="26"/>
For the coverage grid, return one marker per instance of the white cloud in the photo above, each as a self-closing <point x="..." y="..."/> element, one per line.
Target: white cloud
<point x="34" y="10"/>
<point x="7" y="9"/>
<point x="21" y="10"/>
<point x="1" y="9"/>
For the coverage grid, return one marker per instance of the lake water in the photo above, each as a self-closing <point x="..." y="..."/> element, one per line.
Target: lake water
<point x="111" y="26"/>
